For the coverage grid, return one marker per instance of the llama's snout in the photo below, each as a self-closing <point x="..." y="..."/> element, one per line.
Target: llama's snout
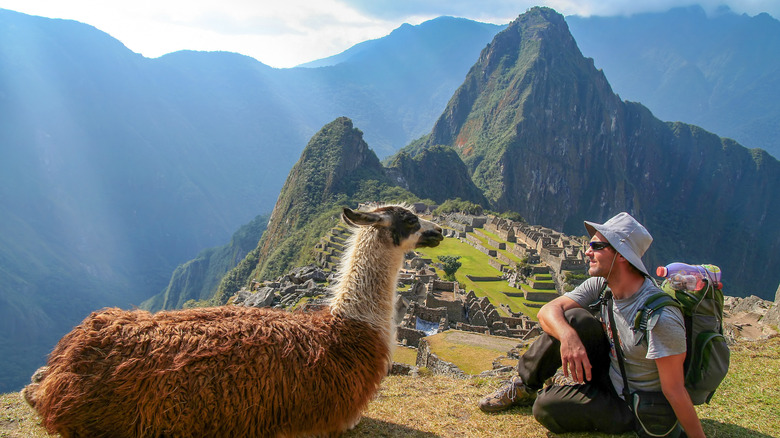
<point x="431" y="237"/>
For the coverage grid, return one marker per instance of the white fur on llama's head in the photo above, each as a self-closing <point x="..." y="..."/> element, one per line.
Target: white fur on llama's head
<point x="372" y="258"/>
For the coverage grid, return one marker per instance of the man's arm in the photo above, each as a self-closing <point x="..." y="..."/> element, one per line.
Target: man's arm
<point x="670" y="370"/>
<point x="574" y="357"/>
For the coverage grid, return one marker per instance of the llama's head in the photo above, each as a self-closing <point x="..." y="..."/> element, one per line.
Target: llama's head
<point x="397" y="224"/>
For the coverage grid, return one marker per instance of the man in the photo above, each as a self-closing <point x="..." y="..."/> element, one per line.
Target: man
<point x="583" y="346"/>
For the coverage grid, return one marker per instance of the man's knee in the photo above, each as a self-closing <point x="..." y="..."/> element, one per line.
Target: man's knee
<point x="584" y="323"/>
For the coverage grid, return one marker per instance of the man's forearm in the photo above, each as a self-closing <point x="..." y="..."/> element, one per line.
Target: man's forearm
<point x="685" y="412"/>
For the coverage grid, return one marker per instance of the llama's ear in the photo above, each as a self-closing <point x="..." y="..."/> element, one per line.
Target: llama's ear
<point x="359" y="217"/>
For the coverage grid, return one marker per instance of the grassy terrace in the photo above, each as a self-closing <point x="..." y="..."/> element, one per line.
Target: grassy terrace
<point x="509" y="245"/>
<point x="475" y="263"/>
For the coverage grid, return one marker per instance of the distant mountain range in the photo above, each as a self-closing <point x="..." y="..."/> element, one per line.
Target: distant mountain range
<point x="720" y="72"/>
<point x="117" y="168"/>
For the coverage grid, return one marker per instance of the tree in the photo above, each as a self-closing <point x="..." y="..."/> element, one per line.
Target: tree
<point x="450" y="265"/>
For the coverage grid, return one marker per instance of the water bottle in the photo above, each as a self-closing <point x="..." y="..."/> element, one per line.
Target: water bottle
<point x="690" y="277"/>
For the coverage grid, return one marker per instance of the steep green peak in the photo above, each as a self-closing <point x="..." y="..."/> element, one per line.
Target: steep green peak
<point x="338" y="149"/>
<point x="333" y="159"/>
<point x="523" y="39"/>
<point x="530" y="66"/>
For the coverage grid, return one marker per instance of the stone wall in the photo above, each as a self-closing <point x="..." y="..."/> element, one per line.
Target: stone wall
<point x="472" y="328"/>
<point x="498" y="265"/>
<point x="453" y="309"/>
<point x="429" y="360"/>
<point x="540" y="296"/>
<point x="409" y="336"/>
<point x="476" y="243"/>
<point x="541" y="284"/>
<point x="475" y="278"/>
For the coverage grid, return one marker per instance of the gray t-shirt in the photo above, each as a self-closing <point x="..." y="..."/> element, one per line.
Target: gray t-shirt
<point x="666" y="338"/>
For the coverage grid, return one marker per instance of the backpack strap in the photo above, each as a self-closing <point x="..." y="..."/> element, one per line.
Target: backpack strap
<point x="602" y="300"/>
<point x="648" y="314"/>
<point x="618" y="349"/>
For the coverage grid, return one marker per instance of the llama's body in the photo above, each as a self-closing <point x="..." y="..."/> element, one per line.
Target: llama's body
<point x="232" y="371"/>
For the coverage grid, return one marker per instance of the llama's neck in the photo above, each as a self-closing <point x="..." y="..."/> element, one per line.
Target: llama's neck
<point x="367" y="281"/>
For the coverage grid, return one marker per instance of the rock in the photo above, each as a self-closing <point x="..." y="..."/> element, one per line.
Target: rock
<point x="772" y="316"/>
<point x="287" y="290"/>
<point x="402" y="369"/>
<point x="752" y="304"/>
<point x="262" y="298"/>
<point x="241" y="296"/>
<point x="478" y="318"/>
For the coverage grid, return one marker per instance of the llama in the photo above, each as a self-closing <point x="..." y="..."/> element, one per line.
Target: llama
<point x="237" y="371"/>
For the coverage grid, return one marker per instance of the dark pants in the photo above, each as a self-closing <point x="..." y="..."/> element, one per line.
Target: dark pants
<point x="592" y="406"/>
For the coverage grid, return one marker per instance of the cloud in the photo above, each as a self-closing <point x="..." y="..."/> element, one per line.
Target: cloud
<point x="503" y="11"/>
<point x="284" y="33"/>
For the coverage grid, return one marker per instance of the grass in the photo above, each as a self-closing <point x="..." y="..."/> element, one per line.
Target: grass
<point x="475" y="263"/>
<point x="747" y="405"/>
<point x="407" y="355"/>
<point x="479" y="353"/>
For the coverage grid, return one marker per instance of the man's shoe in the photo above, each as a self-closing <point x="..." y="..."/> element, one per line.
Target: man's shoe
<point x="513" y="393"/>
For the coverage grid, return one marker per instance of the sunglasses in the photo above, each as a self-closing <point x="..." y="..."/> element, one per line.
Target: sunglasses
<point x="598" y="246"/>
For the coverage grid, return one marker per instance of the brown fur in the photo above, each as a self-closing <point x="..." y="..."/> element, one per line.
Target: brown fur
<point x="233" y="371"/>
<point x="177" y="374"/>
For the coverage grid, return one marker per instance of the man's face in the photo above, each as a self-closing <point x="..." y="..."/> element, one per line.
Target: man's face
<point x="600" y="256"/>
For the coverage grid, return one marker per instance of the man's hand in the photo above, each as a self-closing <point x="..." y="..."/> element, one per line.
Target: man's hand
<point x="574" y="358"/>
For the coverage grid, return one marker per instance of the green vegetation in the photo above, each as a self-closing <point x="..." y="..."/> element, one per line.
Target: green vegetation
<point x="450" y="265"/>
<point x="458" y="205"/>
<point x="336" y="170"/>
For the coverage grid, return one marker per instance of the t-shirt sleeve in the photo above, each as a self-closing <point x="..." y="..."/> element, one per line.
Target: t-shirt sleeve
<point x="667" y="337"/>
<point x="586" y="293"/>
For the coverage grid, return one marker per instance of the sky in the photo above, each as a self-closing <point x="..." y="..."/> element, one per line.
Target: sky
<point x="286" y="33"/>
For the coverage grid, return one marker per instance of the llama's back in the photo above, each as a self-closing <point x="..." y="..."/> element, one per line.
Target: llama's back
<point x="209" y="372"/>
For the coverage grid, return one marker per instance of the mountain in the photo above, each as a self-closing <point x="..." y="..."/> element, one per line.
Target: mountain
<point x="197" y="279"/>
<point x="435" y="38"/>
<point x="435" y="173"/>
<point x="395" y="87"/>
<point x="542" y="134"/>
<point x="116" y="168"/>
<point x="336" y="169"/>
<point x="720" y="72"/>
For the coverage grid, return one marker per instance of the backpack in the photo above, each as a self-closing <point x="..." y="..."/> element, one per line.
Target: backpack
<point x="707" y="359"/>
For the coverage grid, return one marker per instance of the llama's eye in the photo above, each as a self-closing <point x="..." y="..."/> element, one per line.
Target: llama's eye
<point x="411" y="220"/>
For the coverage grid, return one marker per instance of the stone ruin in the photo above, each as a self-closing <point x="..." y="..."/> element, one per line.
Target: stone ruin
<point x="301" y="284"/>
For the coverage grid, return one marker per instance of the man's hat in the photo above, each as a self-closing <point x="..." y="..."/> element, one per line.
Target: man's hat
<point x="627" y="236"/>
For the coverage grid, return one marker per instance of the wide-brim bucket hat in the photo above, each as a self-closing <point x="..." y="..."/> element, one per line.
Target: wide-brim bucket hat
<point x="627" y="236"/>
